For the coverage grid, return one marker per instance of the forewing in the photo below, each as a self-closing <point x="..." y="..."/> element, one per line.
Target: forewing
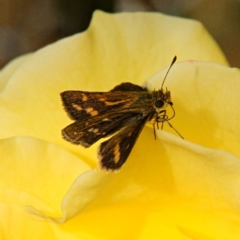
<point x="114" y="152"/>
<point x="89" y="131"/>
<point x="83" y="105"/>
<point x="128" y="87"/>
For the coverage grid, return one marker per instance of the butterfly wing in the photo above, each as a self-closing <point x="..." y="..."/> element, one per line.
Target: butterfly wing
<point x="89" y="131"/>
<point x="125" y="110"/>
<point x="128" y="87"/>
<point x="83" y="105"/>
<point x="114" y="152"/>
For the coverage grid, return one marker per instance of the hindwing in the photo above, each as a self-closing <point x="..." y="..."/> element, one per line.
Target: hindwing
<point x="114" y="152"/>
<point x="89" y="131"/>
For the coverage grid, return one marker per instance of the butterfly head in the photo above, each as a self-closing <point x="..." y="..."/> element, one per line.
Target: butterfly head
<point x="161" y="99"/>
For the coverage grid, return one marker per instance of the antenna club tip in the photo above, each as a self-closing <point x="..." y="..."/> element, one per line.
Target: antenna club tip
<point x="174" y="59"/>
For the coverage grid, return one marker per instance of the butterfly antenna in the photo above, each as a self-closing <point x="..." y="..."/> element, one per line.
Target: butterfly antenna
<point x="173" y="61"/>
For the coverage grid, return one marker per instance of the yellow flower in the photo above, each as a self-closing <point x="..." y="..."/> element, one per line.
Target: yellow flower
<point x="169" y="188"/>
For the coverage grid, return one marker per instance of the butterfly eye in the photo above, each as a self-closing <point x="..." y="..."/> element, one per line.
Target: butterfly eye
<point x="159" y="103"/>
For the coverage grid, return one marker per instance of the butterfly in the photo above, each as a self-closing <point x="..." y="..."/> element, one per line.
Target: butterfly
<point x="120" y="113"/>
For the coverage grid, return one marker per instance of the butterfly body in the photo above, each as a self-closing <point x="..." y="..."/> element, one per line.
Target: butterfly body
<point x="121" y="112"/>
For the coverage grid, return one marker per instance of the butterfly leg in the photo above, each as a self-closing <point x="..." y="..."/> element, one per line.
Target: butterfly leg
<point x="159" y="117"/>
<point x="154" y="131"/>
<point x="170" y="125"/>
<point x="162" y="117"/>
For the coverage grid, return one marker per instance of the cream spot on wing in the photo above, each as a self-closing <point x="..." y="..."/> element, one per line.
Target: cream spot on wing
<point x="76" y="106"/>
<point x="95" y="130"/>
<point x="91" y="111"/>
<point x="114" y="103"/>
<point x="105" y="119"/>
<point x="116" y="153"/>
<point x="84" y="97"/>
<point x="102" y="99"/>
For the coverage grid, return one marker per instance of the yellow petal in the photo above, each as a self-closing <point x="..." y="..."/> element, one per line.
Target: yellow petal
<point x="188" y="187"/>
<point x="7" y="71"/>
<point x="162" y="179"/>
<point x="36" y="173"/>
